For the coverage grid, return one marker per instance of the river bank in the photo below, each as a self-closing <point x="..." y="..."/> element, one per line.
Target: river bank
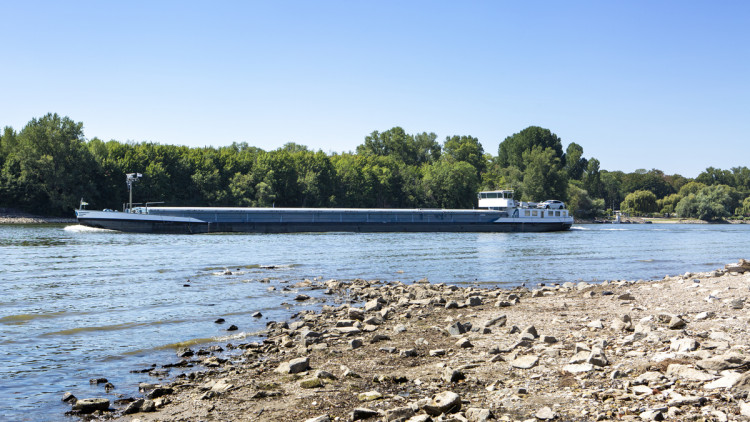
<point x="619" y="350"/>
<point x="24" y="218"/>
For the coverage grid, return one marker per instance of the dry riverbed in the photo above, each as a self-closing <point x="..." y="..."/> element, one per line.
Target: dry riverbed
<point x="676" y="349"/>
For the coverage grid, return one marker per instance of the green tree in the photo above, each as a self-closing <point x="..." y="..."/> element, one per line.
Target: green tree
<point x="466" y="148"/>
<point x="652" y="180"/>
<point x="691" y="187"/>
<point x="511" y="150"/>
<point x="714" y="176"/>
<point x="428" y="148"/>
<point x="592" y="179"/>
<point x="242" y="188"/>
<point x="582" y="205"/>
<point x="50" y="168"/>
<point x="668" y="204"/>
<point x="612" y="187"/>
<point x="543" y="177"/>
<point x="639" y="202"/>
<point x="451" y="184"/>
<point x="575" y="164"/>
<point x="709" y="204"/>
<point x="746" y="207"/>
<point x="397" y="143"/>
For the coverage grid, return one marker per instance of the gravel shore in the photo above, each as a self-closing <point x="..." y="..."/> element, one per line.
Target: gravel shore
<point x="33" y="219"/>
<point x="671" y="349"/>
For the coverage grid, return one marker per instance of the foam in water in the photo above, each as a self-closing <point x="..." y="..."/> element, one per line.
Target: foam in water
<point x="78" y="228"/>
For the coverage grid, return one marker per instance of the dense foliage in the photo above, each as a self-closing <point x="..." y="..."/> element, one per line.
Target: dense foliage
<point x="48" y="166"/>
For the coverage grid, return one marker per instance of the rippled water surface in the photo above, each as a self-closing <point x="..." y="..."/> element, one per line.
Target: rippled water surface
<point x="77" y="303"/>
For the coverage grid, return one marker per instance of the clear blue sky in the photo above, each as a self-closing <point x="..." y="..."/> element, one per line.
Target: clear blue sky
<point x="638" y="84"/>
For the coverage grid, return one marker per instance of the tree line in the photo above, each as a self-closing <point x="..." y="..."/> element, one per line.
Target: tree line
<point x="48" y="166"/>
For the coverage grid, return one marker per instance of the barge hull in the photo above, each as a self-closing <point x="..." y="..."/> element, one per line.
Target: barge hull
<point x="167" y="227"/>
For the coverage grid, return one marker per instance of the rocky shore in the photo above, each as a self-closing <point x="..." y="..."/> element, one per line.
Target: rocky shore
<point x="671" y="349"/>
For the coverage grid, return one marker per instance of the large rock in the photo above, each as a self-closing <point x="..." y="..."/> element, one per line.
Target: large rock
<point x="622" y="323"/>
<point x="458" y="328"/>
<point x="721" y="362"/>
<point x="740" y="267"/>
<point x="743" y="383"/>
<point x="445" y="402"/>
<point x="399" y="414"/>
<point x="363" y="413"/>
<point x="545" y="414"/>
<point x="687" y="373"/>
<point x="597" y="357"/>
<point x="91" y="405"/>
<point x="525" y="362"/>
<point x="683" y="345"/>
<point x="294" y="366"/>
<point x="578" y="368"/>
<point x="474" y="414"/>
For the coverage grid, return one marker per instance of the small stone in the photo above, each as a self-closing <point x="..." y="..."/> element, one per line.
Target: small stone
<point x="98" y="381"/>
<point x="356" y="313"/>
<point x="294" y="366"/>
<point x="399" y="414"/>
<point x="369" y="396"/>
<point x="361" y="413"/>
<point x="578" y="368"/>
<point x="356" y="343"/>
<point x="545" y="414"/>
<point x="408" y="353"/>
<point x="687" y="373"/>
<point x="704" y="315"/>
<point x="683" y="345"/>
<point x="437" y="352"/>
<point x="158" y="392"/>
<point x="597" y="357"/>
<point x="549" y="340"/>
<point x="311" y="383"/>
<point x="322" y="418"/>
<point x="453" y="375"/>
<point x="652" y="415"/>
<point x="464" y="343"/>
<point x="676" y="323"/>
<point x="91" y="405"/>
<point x="474" y="414"/>
<point x="301" y="297"/>
<point x="185" y="352"/>
<point x="737" y="303"/>
<point x="623" y="323"/>
<point x="148" y="406"/>
<point x="525" y="362"/>
<point x="69" y="398"/>
<point x="222" y="386"/>
<point x="498" y="321"/>
<point x="133" y="407"/>
<point x="232" y="328"/>
<point x="457" y="328"/>
<point x="257" y="315"/>
<point x="745" y="408"/>
<point x="445" y="402"/>
<point x="219" y="321"/>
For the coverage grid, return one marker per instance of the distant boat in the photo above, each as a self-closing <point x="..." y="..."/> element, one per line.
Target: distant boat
<point x="498" y="212"/>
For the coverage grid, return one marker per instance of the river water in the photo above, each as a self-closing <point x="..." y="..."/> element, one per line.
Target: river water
<point x="79" y="303"/>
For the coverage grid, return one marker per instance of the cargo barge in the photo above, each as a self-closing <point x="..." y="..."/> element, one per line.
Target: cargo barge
<point x="498" y="212"/>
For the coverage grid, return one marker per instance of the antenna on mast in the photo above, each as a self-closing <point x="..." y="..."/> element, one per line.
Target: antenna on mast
<point x="131" y="178"/>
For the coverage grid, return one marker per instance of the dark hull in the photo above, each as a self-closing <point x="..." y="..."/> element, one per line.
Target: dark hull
<point x="139" y="226"/>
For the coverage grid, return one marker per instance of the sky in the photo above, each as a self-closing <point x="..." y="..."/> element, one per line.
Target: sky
<point x="638" y="84"/>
